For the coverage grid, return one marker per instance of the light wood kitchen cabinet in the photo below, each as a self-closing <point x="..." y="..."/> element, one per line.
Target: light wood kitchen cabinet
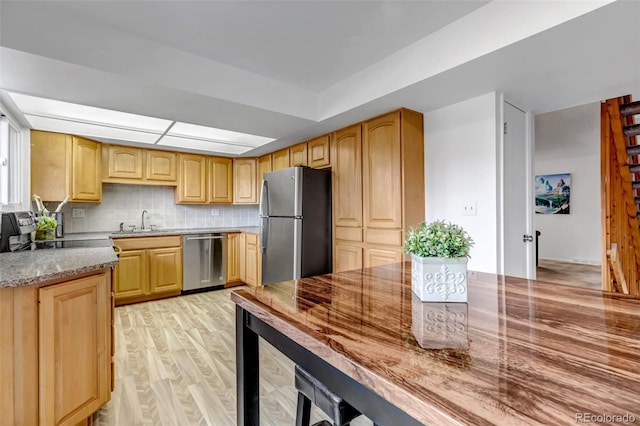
<point x="245" y="181"/>
<point x="249" y="258"/>
<point x="220" y="180"/>
<point x="149" y="268"/>
<point x="280" y="159"/>
<point x="74" y="349"/>
<point x="378" y="257"/>
<point x="253" y="261"/>
<point x="130" y="165"/>
<point x="192" y="179"/>
<point x="264" y="166"/>
<point x="122" y="162"/>
<point x="298" y="154"/>
<point x="64" y="164"/>
<point x="160" y="167"/>
<point x="347" y="257"/>
<point x="346" y="154"/>
<point x="233" y="259"/>
<point x="318" y="152"/>
<point x="378" y="188"/>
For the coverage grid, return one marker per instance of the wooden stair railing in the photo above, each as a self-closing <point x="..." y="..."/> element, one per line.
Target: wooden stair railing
<point x="620" y="157"/>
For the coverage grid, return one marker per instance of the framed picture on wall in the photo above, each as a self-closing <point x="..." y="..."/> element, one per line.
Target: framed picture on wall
<point x="553" y="194"/>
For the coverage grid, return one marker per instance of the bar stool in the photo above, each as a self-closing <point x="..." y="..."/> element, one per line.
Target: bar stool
<point x="310" y="390"/>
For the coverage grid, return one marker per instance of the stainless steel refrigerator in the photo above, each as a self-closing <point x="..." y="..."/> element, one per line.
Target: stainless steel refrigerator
<point x="295" y="224"/>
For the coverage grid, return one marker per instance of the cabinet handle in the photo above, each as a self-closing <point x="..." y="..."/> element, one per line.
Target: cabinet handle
<point x="204" y="238"/>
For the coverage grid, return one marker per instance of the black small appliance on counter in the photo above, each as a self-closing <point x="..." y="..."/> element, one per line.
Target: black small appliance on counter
<point x="15" y="231"/>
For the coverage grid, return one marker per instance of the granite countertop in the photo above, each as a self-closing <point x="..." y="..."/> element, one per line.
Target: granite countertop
<point x="163" y="232"/>
<point x="39" y="266"/>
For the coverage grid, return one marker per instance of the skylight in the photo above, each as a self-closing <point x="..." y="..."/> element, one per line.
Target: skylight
<point x="66" y="117"/>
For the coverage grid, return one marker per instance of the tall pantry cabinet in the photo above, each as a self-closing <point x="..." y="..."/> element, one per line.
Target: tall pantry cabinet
<point x="378" y="188"/>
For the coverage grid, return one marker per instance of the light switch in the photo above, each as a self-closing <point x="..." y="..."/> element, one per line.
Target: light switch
<point x="215" y="212"/>
<point x="470" y="208"/>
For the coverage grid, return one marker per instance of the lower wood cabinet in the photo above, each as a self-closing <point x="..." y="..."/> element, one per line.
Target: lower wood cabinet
<point x="347" y="257"/>
<point x="249" y="259"/>
<point x="56" y="349"/>
<point x="233" y="260"/>
<point x="380" y="256"/>
<point x="74" y="350"/>
<point x="149" y="268"/>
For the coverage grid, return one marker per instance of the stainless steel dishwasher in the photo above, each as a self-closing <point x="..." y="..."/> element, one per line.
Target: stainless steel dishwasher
<point x="203" y="263"/>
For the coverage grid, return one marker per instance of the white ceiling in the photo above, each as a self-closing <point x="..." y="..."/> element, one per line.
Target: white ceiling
<point x="292" y="70"/>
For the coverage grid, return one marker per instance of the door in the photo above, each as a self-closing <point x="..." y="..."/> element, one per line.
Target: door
<point x="298" y="154"/>
<point x="220" y="180"/>
<point x="233" y="260"/>
<point x="518" y="251"/>
<point x="244" y="181"/>
<point x="191" y="179"/>
<point x="278" y="245"/>
<point x="346" y="159"/>
<point x="279" y="194"/>
<point x="86" y="170"/>
<point x="280" y="159"/>
<point x="165" y="272"/>
<point x="124" y="162"/>
<point x="161" y="165"/>
<point x="74" y="349"/>
<point x="318" y="152"/>
<point x="347" y="257"/>
<point x="131" y="274"/>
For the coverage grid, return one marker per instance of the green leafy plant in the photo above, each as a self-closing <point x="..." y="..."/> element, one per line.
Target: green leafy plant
<point x="438" y="239"/>
<point x="46" y="222"/>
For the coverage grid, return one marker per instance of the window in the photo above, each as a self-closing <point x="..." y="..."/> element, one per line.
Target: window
<point x="10" y="160"/>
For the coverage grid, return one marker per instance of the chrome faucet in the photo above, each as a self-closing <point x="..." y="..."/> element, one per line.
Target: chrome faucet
<point x="143" y="212"/>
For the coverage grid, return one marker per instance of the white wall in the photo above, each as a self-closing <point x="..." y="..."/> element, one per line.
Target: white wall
<point x="124" y="203"/>
<point x="568" y="141"/>
<point x="461" y="167"/>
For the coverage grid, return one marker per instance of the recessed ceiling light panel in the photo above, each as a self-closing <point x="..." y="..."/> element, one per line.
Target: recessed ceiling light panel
<point x="89" y="130"/>
<point x="57" y="109"/>
<point x="219" y="135"/>
<point x="202" y="145"/>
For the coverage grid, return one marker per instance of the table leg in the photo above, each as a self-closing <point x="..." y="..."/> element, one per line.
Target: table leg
<point x="247" y="372"/>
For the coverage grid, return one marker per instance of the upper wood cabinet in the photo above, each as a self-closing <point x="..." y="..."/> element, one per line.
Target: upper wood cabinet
<point x="382" y="171"/>
<point x="245" y="181"/>
<point x="318" y="152"/>
<point x="280" y="159"/>
<point x="192" y="179"/>
<point x="160" y="166"/>
<point x="298" y="154"/>
<point x="264" y="166"/>
<point x="74" y="349"/>
<point x="126" y="164"/>
<point x="65" y="164"/>
<point x="346" y="154"/>
<point x="220" y="180"/>
<point x="122" y="161"/>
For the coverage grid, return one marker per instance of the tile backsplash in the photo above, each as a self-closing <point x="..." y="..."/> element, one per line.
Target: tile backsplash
<point x="125" y="203"/>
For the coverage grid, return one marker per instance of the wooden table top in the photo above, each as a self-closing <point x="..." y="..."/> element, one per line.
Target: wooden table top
<point x="519" y="352"/>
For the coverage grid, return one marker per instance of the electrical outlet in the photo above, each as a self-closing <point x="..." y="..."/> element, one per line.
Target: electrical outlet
<point x="215" y="212"/>
<point x="472" y="275"/>
<point x="78" y="212"/>
<point x="470" y="208"/>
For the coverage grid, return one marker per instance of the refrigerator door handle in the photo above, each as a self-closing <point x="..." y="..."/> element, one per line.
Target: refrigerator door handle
<point x="264" y="200"/>
<point x="264" y="225"/>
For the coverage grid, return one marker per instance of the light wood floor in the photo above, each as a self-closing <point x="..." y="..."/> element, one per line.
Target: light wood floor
<point x="175" y="366"/>
<point x="569" y="273"/>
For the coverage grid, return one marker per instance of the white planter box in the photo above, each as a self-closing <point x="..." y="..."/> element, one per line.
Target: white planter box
<point x="437" y="279"/>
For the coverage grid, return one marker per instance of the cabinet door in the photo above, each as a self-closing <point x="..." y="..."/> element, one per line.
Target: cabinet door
<point x="161" y="166"/>
<point x="298" y="154"/>
<point x="131" y="275"/>
<point x="244" y="180"/>
<point x="74" y="350"/>
<point x="220" y="180"/>
<point x="192" y="188"/>
<point x="49" y="165"/>
<point x="252" y="261"/>
<point x="123" y="162"/>
<point x="165" y="270"/>
<point x="86" y="170"/>
<point x="233" y="261"/>
<point x="242" y="256"/>
<point x="382" y="171"/>
<point x="346" y="160"/>
<point x="318" y="152"/>
<point x="280" y="159"/>
<point x="377" y="257"/>
<point x="264" y="166"/>
<point x="347" y="257"/>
